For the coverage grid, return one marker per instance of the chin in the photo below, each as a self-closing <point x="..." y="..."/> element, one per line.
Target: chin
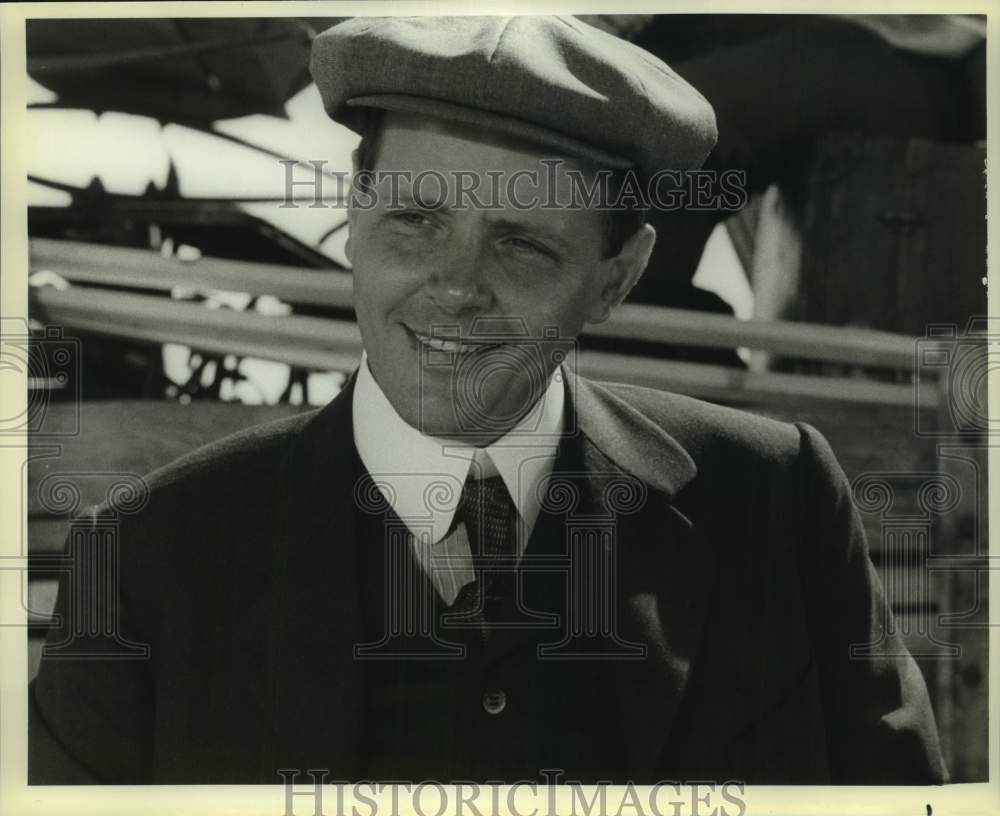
<point x="432" y="417"/>
<point x="432" y="407"/>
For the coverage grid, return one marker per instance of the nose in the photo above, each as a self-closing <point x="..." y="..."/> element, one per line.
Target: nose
<point x="459" y="281"/>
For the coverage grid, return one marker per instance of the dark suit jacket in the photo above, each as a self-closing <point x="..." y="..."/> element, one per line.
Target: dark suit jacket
<point x="745" y="574"/>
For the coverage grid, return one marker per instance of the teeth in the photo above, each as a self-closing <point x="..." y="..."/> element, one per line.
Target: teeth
<point x="441" y="344"/>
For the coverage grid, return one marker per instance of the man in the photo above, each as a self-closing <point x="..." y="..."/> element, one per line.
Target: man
<point x="474" y="564"/>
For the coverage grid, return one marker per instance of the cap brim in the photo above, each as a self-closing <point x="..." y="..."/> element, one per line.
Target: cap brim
<point x="562" y="145"/>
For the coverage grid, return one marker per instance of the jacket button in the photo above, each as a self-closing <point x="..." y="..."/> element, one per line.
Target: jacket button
<point x="494" y="702"/>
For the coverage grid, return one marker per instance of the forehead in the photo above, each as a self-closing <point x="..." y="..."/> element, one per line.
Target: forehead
<point x="406" y="133"/>
<point x="495" y="165"/>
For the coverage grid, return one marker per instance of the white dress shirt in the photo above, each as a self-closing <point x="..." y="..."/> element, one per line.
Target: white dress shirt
<point x="422" y="476"/>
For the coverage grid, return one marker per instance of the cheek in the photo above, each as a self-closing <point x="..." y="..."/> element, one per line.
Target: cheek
<point x="562" y="300"/>
<point x="382" y="279"/>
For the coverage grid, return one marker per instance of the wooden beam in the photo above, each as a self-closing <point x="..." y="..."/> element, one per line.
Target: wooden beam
<point x="734" y="385"/>
<point x="309" y="342"/>
<point x="833" y="344"/>
<point x="116" y="266"/>
<point x="335" y="345"/>
<point x="144" y="269"/>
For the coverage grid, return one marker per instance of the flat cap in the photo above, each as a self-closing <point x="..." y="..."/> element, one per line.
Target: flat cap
<point x="555" y="81"/>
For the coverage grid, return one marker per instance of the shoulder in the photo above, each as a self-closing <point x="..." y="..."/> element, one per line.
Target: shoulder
<point x="244" y="452"/>
<point x="740" y="447"/>
<point x="709" y="431"/>
<point x="214" y="477"/>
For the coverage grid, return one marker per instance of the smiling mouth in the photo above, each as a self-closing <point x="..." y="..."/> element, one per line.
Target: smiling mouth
<point x="461" y="346"/>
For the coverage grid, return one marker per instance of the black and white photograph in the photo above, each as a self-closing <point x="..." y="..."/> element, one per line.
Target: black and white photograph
<point x="487" y="406"/>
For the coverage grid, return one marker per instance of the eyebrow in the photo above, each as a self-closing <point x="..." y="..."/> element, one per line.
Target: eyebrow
<point x="407" y="197"/>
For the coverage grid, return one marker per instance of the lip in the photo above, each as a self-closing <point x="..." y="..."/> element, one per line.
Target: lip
<point x="463" y="345"/>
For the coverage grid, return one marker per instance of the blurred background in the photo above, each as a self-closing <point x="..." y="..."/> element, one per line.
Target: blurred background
<point x="176" y="295"/>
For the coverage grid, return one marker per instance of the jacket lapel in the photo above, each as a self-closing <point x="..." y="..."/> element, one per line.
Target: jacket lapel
<point x="664" y="566"/>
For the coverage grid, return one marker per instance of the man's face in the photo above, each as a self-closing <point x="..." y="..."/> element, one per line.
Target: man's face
<point x="421" y="271"/>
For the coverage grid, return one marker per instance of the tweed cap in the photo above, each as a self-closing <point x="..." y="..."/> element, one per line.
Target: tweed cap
<point x="555" y="81"/>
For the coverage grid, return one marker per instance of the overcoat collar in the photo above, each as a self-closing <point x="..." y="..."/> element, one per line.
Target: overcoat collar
<point x="630" y="441"/>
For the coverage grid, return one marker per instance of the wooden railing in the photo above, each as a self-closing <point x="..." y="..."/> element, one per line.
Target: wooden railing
<point x="335" y="344"/>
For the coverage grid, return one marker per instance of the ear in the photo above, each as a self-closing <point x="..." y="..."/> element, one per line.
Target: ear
<point x="348" y="250"/>
<point x="623" y="271"/>
<point x="352" y="213"/>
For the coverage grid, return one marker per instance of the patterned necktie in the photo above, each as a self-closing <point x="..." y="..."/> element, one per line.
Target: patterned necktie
<point x="491" y="524"/>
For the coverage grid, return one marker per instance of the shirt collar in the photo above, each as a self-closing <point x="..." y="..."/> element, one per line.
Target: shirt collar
<point x="409" y="467"/>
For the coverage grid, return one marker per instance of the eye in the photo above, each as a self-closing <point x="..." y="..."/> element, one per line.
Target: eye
<point x="526" y="246"/>
<point x="411" y="218"/>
